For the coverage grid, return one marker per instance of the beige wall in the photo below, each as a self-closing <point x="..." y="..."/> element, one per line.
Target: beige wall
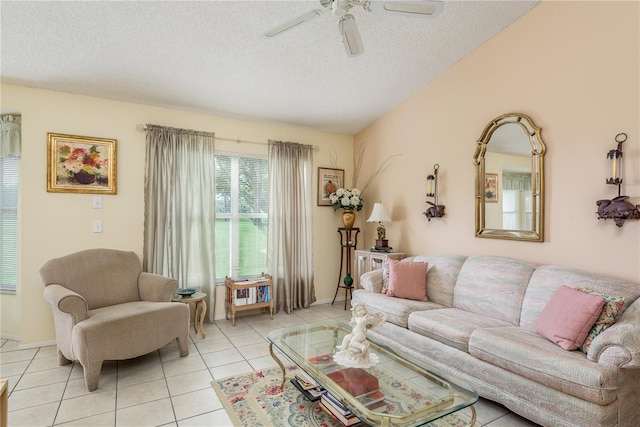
<point x="573" y="67"/>
<point x="54" y="224"/>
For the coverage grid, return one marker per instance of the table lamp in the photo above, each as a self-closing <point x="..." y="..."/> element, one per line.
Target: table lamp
<point x="379" y="214"/>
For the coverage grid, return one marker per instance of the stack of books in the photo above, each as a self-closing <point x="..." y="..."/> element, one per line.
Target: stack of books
<point x="360" y="384"/>
<point x="307" y="386"/>
<point x="343" y="414"/>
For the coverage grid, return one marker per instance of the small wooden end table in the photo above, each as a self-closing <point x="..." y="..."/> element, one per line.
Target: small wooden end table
<point x="198" y="299"/>
<point x="4" y="403"/>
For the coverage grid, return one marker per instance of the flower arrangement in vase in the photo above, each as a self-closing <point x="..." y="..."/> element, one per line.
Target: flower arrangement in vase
<point x="350" y="201"/>
<point x="346" y="199"/>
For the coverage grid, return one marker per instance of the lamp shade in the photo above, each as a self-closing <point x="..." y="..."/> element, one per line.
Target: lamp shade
<point x="378" y="214"/>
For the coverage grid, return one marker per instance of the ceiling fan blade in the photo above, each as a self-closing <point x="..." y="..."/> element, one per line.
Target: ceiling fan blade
<point x="350" y="36"/>
<point x="293" y="23"/>
<point x="420" y="8"/>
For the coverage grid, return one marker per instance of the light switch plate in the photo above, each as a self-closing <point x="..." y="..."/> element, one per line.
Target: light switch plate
<point x="97" y="202"/>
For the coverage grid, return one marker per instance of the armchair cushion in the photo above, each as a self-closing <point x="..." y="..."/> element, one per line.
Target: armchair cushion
<point x="102" y="276"/>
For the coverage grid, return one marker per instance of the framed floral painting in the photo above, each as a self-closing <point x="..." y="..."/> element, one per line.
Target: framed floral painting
<point x="329" y="180"/>
<point x="491" y="188"/>
<point x="81" y="164"/>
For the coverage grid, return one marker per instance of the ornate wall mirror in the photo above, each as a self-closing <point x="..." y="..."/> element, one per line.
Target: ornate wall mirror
<point x="509" y="161"/>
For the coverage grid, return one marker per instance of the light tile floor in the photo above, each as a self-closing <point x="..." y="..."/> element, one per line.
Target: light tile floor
<point x="161" y="388"/>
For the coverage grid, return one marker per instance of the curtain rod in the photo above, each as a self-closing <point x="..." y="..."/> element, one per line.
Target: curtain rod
<point x="143" y="128"/>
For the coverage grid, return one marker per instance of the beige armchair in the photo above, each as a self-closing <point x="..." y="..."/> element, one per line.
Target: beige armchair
<point x="106" y="308"/>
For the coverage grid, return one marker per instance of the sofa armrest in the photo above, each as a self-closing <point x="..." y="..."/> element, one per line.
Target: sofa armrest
<point x="619" y="345"/>
<point x="372" y="281"/>
<point x="67" y="301"/>
<point x="153" y="287"/>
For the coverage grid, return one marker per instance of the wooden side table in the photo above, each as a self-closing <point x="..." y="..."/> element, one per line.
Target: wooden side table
<point x="348" y="242"/>
<point x="198" y="299"/>
<point x="4" y="403"/>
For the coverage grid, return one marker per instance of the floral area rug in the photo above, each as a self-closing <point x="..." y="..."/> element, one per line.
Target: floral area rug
<point x="256" y="399"/>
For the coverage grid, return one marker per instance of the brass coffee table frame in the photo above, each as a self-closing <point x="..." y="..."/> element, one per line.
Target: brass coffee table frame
<point x="283" y="338"/>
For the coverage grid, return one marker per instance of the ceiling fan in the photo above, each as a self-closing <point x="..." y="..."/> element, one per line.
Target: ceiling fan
<point x="347" y="24"/>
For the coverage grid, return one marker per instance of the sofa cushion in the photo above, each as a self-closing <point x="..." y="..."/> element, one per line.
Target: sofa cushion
<point x="612" y="307"/>
<point x="407" y="280"/>
<point x="493" y="286"/>
<point x="450" y="326"/>
<point x="525" y="353"/>
<point x="396" y="310"/>
<point x="442" y="275"/>
<point x="546" y="279"/>
<point x="568" y="317"/>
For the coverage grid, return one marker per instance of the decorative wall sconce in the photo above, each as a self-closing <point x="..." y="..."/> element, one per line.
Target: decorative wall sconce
<point x="618" y="208"/>
<point x="435" y="210"/>
<point x="379" y="214"/>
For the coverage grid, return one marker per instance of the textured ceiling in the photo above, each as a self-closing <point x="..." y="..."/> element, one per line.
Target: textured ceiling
<point x="210" y="56"/>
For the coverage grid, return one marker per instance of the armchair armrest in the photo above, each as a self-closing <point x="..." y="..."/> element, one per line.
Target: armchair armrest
<point x="67" y="301"/>
<point x="619" y="345"/>
<point x="153" y="287"/>
<point x="372" y="281"/>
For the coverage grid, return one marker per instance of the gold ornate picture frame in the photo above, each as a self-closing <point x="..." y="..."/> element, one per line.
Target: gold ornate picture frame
<point x="81" y="164"/>
<point x="329" y="180"/>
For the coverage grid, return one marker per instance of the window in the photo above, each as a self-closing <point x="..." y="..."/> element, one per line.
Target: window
<point x="516" y="210"/>
<point x="242" y="203"/>
<point x="9" y="224"/>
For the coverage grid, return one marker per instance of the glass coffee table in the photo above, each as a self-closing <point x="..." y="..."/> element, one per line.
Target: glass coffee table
<point x="413" y="396"/>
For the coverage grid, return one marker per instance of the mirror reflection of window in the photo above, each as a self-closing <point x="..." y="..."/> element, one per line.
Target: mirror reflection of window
<point x="516" y="200"/>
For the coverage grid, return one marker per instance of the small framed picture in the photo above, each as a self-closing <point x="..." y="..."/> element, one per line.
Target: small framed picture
<point x="81" y="164"/>
<point x="329" y="180"/>
<point x="491" y="188"/>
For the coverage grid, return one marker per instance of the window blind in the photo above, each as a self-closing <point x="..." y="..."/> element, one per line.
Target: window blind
<point x="9" y="224"/>
<point x="242" y="205"/>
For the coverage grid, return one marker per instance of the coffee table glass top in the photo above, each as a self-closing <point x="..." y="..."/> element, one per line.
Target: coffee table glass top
<point x="413" y="396"/>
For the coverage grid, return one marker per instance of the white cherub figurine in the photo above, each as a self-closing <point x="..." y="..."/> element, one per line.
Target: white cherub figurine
<point x="354" y="350"/>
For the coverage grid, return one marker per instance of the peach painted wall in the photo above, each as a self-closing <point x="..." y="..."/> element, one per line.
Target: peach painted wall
<point x="573" y="67"/>
<point x="55" y="224"/>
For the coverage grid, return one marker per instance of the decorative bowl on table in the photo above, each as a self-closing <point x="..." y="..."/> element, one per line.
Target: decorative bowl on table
<point x="186" y="292"/>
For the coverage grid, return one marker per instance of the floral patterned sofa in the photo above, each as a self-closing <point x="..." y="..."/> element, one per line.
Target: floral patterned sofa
<point x="478" y="323"/>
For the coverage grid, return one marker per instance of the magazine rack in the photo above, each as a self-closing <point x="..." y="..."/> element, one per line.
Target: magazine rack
<point x="248" y="294"/>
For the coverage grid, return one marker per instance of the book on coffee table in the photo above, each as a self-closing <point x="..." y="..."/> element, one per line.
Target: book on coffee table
<point x="356" y="381"/>
<point x="373" y="401"/>
<point x="322" y="359"/>
<point x="334" y="404"/>
<point x="347" y="420"/>
<point x="311" y="394"/>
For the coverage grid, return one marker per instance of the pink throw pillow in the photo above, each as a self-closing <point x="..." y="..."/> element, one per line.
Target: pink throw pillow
<point x="568" y="317"/>
<point x="408" y="280"/>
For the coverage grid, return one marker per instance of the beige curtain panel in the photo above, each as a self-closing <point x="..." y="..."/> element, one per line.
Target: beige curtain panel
<point x="179" y="207"/>
<point x="290" y="233"/>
